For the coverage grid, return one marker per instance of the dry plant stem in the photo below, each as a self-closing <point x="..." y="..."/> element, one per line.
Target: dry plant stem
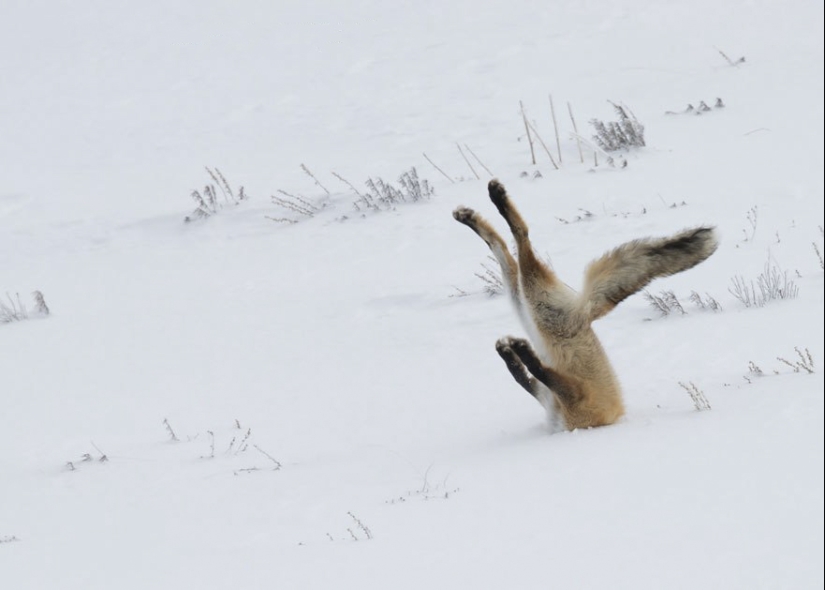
<point x="211" y="444"/>
<point x="596" y="149"/>
<point x="347" y="182"/>
<point x="700" y="402"/>
<point x="296" y="204"/>
<point x="466" y="160"/>
<point x="224" y="182"/>
<point x="172" y="435"/>
<point x="270" y="457"/>
<point x="727" y="59"/>
<point x="478" y="160"/>
<point x="216" y="181"/>
<point x="103" y="458"/>
<point x="805" y="362"/>
<point x="439" y="169"/>
<point x="576" y="133"/>
<point x="591" y="145"/>
<point x="544" y="145"/>
<point x="555" y="126"/>
<point x="41" y="306"/>
<point x="14" y="311"/>
<point x="527" y="129"/>
<point x="221" y="185"/>
<point x="364" y="529"/>
<point x="312" y="176"/>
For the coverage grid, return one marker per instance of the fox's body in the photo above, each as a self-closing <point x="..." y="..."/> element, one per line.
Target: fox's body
<point x="569" y="372"/>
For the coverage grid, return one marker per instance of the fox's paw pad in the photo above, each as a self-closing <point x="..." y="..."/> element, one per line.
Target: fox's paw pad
<point x="464" y="215"/>
<point x="521" y="347"/>
<point x="504" y="351"/>
<point x="505" y="344"/>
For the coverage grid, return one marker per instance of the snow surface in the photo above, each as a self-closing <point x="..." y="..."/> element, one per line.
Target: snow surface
<point x="338" y="348"/>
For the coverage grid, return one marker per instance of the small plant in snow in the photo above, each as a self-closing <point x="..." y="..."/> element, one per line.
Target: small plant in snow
<point x="209" y="202"/>
<point x="348" y="183"/>
<point x="751" y="216"/>
<point x="491" y="277"/>
<point x="731" y="62"/>
<point x="708" y="303"/>
<point x="361" y="527"/>
<point x="379" y="196"/>
<point x="8" y="539"/>
<point x="40" y="304"/>
<point x="88" y="458"/>
<point x="295" y="204"/>
<point x="12" y="309"/>
<point x="702" y="108"/>
<point x="276" y="464"/>
<point x="665" y="303"/>
<point x="312" y="176"/>
<point x="585" y="216"/>
<point x="382" y="195"/>
<point x="238" y="446"/>
<point x="625" y="133"/>
<point x="172" y="436"/>
<point x="818" y="252"/>
<point x="242" y="446"/>
<point x="772" y="283"/>
<point x="360" y="532"/>
<point x="700" y="402"/>
<point x="805" y="362"/>
<point x="754" y="370"/>
<point x="426" y="491"/>
<point x="102" y="456"/>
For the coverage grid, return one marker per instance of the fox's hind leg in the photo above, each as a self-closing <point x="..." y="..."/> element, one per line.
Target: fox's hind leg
<point x="482" y="227"/>
<point x="552" y="303"/>
<point x="534" y="273"/>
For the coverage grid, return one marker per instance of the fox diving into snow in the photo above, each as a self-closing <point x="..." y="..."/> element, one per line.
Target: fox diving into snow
<point x="566" y="369"/>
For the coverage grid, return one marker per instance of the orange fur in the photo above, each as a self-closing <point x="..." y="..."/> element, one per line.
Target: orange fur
<point x="566" y="368"/>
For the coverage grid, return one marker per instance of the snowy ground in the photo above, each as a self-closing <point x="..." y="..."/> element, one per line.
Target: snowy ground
<point x="342" y="417"/>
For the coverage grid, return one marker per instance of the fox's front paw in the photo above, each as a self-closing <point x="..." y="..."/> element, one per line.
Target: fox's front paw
<point x="465" y="215"/>
<point x="508" y="343"/>
<point x="503" y="349"/>
<point x="520" y="346"/>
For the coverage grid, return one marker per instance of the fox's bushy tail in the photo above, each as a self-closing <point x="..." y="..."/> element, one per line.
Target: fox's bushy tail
<point x="628" y="268"/>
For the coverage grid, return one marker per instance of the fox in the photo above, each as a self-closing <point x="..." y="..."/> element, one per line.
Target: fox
<point x="566" y="369"/>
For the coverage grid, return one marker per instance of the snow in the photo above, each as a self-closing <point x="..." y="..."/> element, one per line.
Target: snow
<point x="326" y="373"/>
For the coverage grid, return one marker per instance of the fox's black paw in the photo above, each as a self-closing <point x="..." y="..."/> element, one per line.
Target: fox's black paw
<point x="521" y="347"/>
<point x="504" y="351"/>
<point x="498" y="195"/>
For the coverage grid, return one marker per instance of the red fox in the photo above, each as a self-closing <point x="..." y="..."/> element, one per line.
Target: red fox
<point x="569" y="372"/>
